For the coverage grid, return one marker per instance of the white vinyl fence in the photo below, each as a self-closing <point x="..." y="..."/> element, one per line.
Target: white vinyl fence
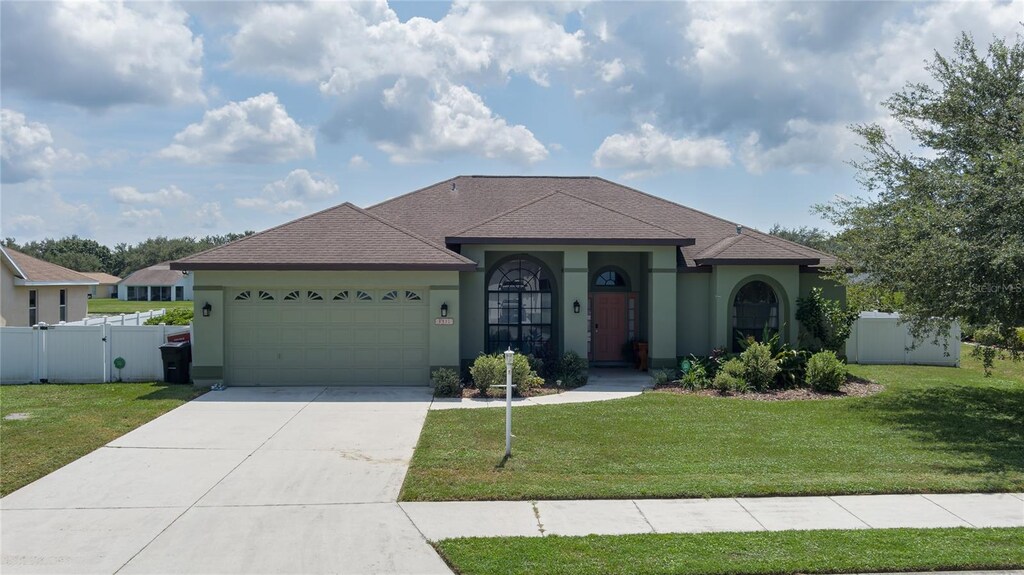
<point x="83" y="354"/>
<point x="882" y="338"/>
<point x="137" y="318"/>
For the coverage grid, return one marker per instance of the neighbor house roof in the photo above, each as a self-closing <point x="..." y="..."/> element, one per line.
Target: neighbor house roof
<point x="34" y="271"/>
<point x="155" y="275"/>
<point x="445" y="210"/>
<point x="103" y="278"/>
<point x="344" y="237"/>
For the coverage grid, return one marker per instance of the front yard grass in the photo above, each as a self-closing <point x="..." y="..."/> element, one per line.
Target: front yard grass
<point x="116" y="306"/>
<point x="68" y="421"/>
<point x="933" y="429"/>
<point x="748" y="553"/>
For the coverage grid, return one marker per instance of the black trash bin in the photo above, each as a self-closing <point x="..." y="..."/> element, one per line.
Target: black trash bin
<point x="176" y="355"/>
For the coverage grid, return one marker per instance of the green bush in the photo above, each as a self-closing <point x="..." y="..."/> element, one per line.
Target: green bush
<point x="792" y="368"/>
<point x="731" y="377"/>
<point x="825" y="371"/>
<point x="487" y="370"/>
<point x="759" y="367"/>
<point x="696" y="377"/>
<point x="172" y="317"/>
<point x="529" y="384"/>
<point x="572" y="369"/>
<point x="446" y="382"/>
<point x="662" y="376"/>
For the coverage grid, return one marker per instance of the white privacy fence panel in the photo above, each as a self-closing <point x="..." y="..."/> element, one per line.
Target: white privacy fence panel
<point x="83" y="354"/>
<point x="137" y="318"/>
<point x="17" y="354"/>
<point x="882" y="338"/>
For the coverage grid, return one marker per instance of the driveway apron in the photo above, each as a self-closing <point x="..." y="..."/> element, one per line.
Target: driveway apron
<point x="246" y="480"/>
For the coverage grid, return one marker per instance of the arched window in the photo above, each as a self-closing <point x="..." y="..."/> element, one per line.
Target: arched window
<point x="756" y="307"/>
<point x="519" y="308"/>
<point x="609" y="279"/>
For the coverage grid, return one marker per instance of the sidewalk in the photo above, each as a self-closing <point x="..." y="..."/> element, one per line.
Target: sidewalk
<point x="604" y="384"/>
<point x="450" y="519"/>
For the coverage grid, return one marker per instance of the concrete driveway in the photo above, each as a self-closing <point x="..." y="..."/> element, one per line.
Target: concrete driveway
<point x="247" y="480"/>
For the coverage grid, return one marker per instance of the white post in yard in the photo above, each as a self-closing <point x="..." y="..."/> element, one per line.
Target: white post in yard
<point x="509" y="354"/>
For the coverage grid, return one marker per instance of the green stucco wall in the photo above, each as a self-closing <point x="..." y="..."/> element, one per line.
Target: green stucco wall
<point x="693" y="314"/>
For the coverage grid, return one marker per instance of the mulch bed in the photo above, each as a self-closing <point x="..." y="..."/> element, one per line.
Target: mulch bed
<point x="854" y="387"/>
<point x="474" y="393"/>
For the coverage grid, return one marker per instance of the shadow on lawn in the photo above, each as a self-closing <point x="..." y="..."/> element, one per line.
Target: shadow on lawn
<point x="173" y="391"/>
<point x="983" y="424"/>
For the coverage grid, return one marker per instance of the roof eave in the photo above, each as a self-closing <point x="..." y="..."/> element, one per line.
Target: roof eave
<point x="293" y="266"/>
<point x="757" y="261"/>
<point x="44" y="283"/>
<point x="456" y="240"/>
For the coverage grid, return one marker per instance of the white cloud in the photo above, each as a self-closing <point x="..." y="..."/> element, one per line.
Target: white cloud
<point x="612" y="71"/>
<point x="99" y="54"/>
<point x="209" y="215"/>
<point x="257" y="130"/>
<point x="648" y="151"/>
<point x="456" y="120"/>
<point x="291" y="193"/>
<point x="358" y="162"/>
<point x="168" y="196"/>
<point x="140" y="218"/>
<point x="805" y="147"/>
<point x="27" y="150"/>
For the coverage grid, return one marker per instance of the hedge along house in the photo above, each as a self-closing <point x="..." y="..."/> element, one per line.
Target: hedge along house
<point x="478" y="264"/>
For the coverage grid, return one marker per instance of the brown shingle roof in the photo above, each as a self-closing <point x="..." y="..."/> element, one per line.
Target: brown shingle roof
<point x="446" y="208"/>
<point x="344" y="237"/>
<point x="37" y="271"/>
<point x="155" y="275"/>
<point x="103" y="278"/>
<point x="559" y="217"/>
<point x="745" y="248"/>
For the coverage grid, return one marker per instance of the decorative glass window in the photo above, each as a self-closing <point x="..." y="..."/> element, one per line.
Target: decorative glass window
<point x="754" y="310"/>
<point x="631" y="317"/>
<point x="243" y="296"/>
<point x="314" y="296"/>
<point x="63" y="305"/>
<point x="519" y="308"/>
<point x="265" y="296"/>
<point x="363" y="296"/>
<point x="412" y="296"/>
<point x="293" y="295"/>
<point x="390" y="296"/>
<point x="609" y="278"/>
<point x="341" y="296"/>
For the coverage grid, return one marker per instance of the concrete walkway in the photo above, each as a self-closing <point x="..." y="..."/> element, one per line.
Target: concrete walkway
<point x="602" y="385"/>
<point x="446" y="520"/>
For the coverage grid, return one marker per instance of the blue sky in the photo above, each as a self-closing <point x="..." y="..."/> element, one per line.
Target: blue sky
<point x="125" y="121"/>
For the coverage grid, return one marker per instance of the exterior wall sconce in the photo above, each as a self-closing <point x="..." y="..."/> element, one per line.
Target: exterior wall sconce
<point x="444" y="309"/>
<point x="207" y="308"/>
<point x="576" y="306"/>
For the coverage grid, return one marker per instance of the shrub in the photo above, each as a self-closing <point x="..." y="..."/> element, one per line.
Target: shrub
<point x="731" y="377"/>
<point x="759" y="367"/>
<point x="538" y="365"/>
<point x="528" y="384"/>
<point x="792" y="368"/>
<point x="572" y="369"/>
<point x="172" y="317"/>
<point x="446" y="382"/>
<point x="488" y="370"/>
<point x="696" y="377"/>
<point x="662" y="377"/>
<point x="825" y="320"/>
<point x="825" y="371"/>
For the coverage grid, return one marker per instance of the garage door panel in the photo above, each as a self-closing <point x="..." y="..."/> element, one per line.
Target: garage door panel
<point x="340" y="314"/>
<point x="342" y="336"/>
<point x="415" y="315"/>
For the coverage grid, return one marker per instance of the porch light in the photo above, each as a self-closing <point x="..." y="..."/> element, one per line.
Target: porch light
<point x="576" y="306"/>
<point x="207" y="308"/>
<point x="444" y="309"/>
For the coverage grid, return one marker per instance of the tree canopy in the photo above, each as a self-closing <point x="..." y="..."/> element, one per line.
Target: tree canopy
<point x="945" y="228"/>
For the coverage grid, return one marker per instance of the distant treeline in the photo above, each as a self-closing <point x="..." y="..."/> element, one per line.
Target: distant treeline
<point x="85" y="255"/>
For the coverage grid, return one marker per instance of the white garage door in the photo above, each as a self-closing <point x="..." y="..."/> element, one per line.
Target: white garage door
<point x="317" y="336"/>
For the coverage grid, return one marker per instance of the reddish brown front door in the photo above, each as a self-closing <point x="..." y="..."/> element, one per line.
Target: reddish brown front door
<point x="609" y="325"/>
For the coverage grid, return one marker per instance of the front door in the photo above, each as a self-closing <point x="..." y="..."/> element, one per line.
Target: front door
<point x="609" y="325"/>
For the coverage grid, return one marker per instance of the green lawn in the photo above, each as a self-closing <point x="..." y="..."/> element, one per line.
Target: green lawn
<point x="68" y="421"/>
<point x="113" y="305"/>
<point x="741" y="553"/>
<point x="933" y="429"/>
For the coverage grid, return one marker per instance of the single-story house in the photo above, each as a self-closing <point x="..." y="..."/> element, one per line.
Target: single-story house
<point x="477" y="264"/>
<point x="107" y="286"/>
<point x="156" y="283"/>
<point x="35" y="291"/>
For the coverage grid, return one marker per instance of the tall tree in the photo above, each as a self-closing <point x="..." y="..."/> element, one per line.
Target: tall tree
<point x="946" y="227"/>
<point x="815" y="238"/>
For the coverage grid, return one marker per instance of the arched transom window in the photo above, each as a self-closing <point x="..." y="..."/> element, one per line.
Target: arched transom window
<point x="755" y="308"/>
<point x="519" y="308"/>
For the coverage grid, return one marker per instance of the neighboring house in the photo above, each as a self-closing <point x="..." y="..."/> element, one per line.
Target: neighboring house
<point x="156" y="283"/>
<point x="35" y="291"/>
<point x="478" y="264"/>
<point x="107" y="287"/>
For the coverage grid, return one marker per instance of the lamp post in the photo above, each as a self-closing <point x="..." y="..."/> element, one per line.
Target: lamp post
<point x="509" y="354"/>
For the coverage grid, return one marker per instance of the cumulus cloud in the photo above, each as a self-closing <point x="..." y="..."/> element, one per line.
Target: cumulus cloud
<point x="612" y="71"/>
<point x="28" y="152"/>
<point x="805" y="147"/>
<point x="140" y="217"/>
<point x="209" y="216"/>
<point x="291" y="193"/>
<point x="99" y="54"/>
<point x="169" y="196"/>
<point x="649" y="151"/>
<point x="257" y="130"/>
<point x="358" y="162"/>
